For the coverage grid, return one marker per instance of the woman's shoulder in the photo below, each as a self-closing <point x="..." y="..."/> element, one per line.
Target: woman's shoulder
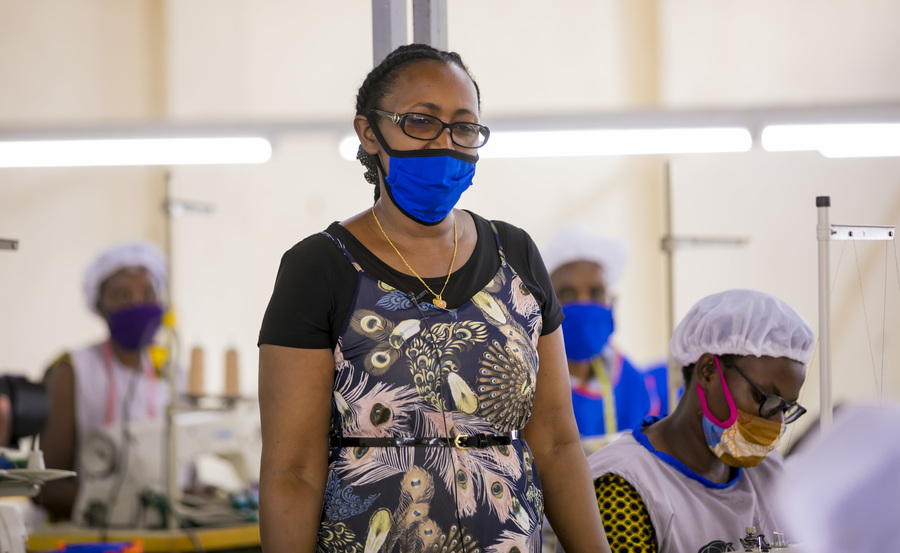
<point x="322" y="246"/>
<point x="78" y="358"/>
<point x="316" y="242"/>
<point x="629" y="459"/>
<point x="623" y="448"/>
<point x="512" y="237"/>
<point x="504" y="228"/>
<point x="318" y="261"/>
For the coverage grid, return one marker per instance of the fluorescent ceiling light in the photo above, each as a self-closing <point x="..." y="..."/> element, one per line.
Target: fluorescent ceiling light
<point x="134" y="151"/>
<point x="348" y="146"/>
<point x="605" y="142"/>
<point x="617" y="142"/>
<point x="836" y="140"/>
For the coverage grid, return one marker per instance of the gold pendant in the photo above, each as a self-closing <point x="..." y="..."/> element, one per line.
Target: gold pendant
<point x="438" y="302"/>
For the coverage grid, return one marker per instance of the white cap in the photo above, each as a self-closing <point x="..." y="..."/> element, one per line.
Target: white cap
<point x="741" y="322"/>
<point x="841" y="491"/>
<point x="576" y="243"/>
<point x="124" y="256"/>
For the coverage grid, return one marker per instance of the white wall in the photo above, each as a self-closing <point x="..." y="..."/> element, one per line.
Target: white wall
<point x="770" y="52"/>
<point x="294" y="74"/>
<point x="770" y="199"/>
<point x="70" y="63"/>
<point x="85" y="61"/>
<point x="97" y="61"/>
<point x="799" y="53"/>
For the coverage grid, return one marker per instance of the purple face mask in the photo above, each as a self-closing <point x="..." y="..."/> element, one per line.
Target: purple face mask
<point x="134" y="327"/>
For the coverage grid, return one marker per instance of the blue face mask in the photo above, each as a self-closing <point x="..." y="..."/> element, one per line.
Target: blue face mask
<point x="426" y="184"/>
<point x="427" y="188"/>
<point x="586" y="328"/>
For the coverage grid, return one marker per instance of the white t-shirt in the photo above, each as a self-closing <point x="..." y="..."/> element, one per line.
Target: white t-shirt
<point x="690" y="513"/>
<point x="137" y="395"/>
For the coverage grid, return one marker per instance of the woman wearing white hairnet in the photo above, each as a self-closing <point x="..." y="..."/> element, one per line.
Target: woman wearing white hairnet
<point x="106" y="382"/>
<point x="609" y="394"/>
<point x="693" y="481"/>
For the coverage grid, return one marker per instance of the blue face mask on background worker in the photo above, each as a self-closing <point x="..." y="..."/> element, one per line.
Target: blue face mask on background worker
<point x="609" y="393"/>
<point x="587" y="329"/>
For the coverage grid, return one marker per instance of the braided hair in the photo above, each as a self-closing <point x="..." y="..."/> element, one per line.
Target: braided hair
<point x="381" y="79"/>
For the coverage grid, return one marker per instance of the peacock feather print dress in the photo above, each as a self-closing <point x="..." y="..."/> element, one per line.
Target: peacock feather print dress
<point x="427" y="405"/>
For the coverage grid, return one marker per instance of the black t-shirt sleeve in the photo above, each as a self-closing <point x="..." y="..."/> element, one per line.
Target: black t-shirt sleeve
<point x="316" y="283"/>
<point x="302" y="311"/>
<point x="522" y="253"/>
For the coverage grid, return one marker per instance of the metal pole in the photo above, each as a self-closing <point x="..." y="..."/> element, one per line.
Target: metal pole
<point x="171" y="456"/>
<point x="823" y="235"/>
<point x="430" y="23"/>
<point x="389" y="28"/>
<point x="674" y="372"/>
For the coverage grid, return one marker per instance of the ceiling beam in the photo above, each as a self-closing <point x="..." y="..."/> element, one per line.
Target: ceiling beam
<point x="753" y="119"/>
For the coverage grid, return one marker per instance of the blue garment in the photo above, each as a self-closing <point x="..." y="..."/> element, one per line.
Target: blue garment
<point x="656" y="378"/>
<point x="632" y="398"/>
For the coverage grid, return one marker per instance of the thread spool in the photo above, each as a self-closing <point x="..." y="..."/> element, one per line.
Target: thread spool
<point x="196" y="385"/>
<point x="779" y="539"/>
<point x="232" y="376"/>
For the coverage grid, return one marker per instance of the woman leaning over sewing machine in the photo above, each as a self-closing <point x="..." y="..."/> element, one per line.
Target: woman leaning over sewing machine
<point x="694" y="480"/>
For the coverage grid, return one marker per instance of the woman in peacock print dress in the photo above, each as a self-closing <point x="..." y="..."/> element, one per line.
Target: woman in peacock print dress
<point x="408" y="406"/>
<point x="415" y="370"/>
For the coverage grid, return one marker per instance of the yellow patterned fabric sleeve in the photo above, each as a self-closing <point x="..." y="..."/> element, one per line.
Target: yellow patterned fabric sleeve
<point x="625" y="516"/>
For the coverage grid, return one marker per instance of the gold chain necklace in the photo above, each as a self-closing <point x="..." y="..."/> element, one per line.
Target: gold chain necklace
<point x="438" y="301"/>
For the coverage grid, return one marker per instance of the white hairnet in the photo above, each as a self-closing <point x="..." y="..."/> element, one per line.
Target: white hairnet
<point x="841" y="492"/>
<point x="576" y="243"/>
<point x="123" y="256"/>
<point x="741" y="322"/>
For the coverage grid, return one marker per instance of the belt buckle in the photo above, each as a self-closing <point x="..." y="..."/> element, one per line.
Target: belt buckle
<point x="457" y="441"/>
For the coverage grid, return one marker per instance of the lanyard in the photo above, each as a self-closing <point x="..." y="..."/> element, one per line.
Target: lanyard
<point x="610" y="421"/>
<point x="111" y="388"/>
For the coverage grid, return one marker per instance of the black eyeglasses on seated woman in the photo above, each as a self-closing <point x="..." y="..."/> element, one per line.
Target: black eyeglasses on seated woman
<point x="769" y="404"/>
<point x="691" y="480"/>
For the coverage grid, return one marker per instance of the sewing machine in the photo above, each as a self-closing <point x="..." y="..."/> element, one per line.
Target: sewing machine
<point x="757" y="543"/>
<point x="24" y="478"/>
<point x="123" y="467"/>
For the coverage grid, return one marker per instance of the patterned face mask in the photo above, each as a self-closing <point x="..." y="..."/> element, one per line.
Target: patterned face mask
<point x="743" y="440"/>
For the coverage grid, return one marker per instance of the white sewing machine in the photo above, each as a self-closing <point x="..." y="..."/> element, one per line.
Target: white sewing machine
<point x="22" y="482"/>
<point x="757" y="543"/>
<point x="123" y="467"/>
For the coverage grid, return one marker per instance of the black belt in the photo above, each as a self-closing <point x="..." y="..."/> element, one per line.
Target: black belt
<point x="460" y="441"/>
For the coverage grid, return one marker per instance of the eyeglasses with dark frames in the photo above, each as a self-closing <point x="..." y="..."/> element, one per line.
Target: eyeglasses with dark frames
<point x="426" y="127"/>
<point x="772" y="404"/>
